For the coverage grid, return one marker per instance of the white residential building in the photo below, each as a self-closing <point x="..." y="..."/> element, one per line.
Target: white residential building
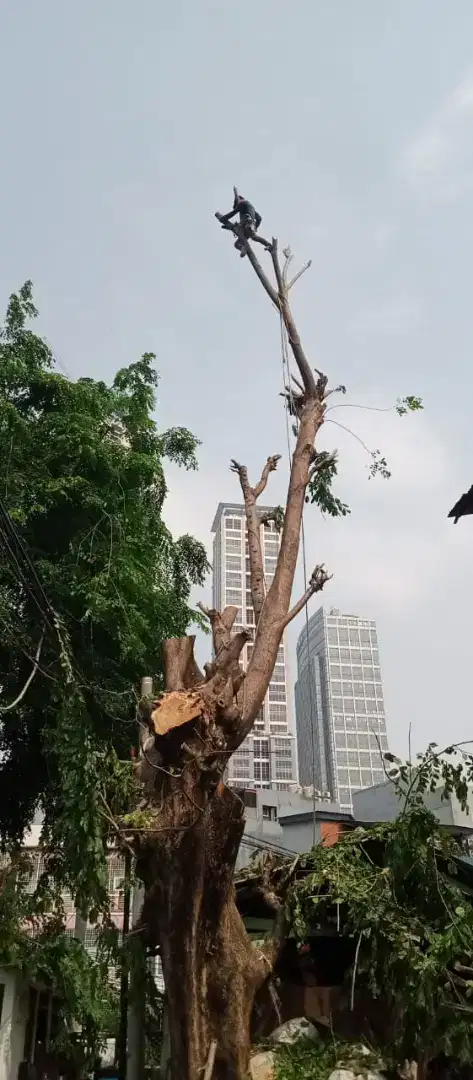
<point x="267" y="758"/>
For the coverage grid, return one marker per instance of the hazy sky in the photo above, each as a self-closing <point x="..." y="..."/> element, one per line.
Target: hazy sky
<point x="349" y="123"/>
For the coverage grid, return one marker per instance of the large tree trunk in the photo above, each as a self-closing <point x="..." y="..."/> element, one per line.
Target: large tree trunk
<point x="187" y="833"/>
<point x="211" y="968"/>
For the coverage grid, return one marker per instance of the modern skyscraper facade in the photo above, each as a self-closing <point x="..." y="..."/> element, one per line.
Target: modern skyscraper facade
<point x="267" y="758"/>
<point x="340" y="718"/>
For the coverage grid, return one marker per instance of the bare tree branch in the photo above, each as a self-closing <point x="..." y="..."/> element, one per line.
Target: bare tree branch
<point x="299" y="274"/>
<point x="306" y="373"/>
<point x="13" y="704"/>
<point x="271" y="466"/>
<point x="258" y="269"/>
<point x="272" y="610"/>
<point x="253" y="525"/>
<point x="221" y="623"/>
<point x="317" y="581"/>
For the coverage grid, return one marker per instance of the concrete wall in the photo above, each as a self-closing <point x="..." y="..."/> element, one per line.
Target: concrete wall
<point x="382" y="803"/>
<point x="12" y="1023"/>
<point x="301" y="836"/>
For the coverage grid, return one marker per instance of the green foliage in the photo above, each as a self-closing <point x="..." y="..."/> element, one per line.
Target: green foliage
<point x="307" y="1059"/>
<point x="92" y="576"/>
<point x="411" y="403"/>
<point x="379" y="466"/>
<point x="32" y="940"/>
<point x="319" y="489"/>
<point x="395" y="890"/>
<point x="315" y="1059"/>
<point x="325" y="467"/>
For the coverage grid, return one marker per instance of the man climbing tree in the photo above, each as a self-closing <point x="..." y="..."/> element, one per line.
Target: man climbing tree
<point x="186" y="849"/>
<point x="249" y="223"/>
<point x="190" y="825"/>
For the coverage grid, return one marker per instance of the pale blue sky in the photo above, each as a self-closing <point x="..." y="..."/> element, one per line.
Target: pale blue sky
<point x="350" y="124"/>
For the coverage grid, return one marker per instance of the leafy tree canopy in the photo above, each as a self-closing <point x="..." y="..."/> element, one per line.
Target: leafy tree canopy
<point x="91" y="583"/>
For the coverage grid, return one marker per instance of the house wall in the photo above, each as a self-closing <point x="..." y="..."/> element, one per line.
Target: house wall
<point x="300" y="836"/>
<point x="382" y="803"/>
<point x="13" y="1022"/>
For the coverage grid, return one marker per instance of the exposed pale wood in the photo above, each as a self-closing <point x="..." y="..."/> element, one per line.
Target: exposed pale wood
<point x="176" y="708"/>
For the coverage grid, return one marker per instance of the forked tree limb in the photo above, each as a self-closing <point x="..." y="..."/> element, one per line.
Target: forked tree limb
<point x="253" y="525"/>
<point x="271" y="466"/>
<point x="221" y="624"/>
<point x="272" y="612"/>
<point x="317" y="581"/>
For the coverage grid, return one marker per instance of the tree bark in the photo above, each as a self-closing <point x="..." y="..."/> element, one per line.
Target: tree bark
<point x="211" y="968"/>
<point x="188" y="840"/>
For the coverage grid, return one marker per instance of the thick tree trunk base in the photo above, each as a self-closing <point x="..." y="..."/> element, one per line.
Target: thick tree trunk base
<point x="211" y="968"/>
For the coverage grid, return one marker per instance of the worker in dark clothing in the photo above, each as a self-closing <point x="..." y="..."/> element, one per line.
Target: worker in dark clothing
<point x="250" y="222"/>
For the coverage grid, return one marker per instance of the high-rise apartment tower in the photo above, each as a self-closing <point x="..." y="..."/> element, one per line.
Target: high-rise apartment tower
<point x="340" y="718"/>
<point x="267" y="757"/>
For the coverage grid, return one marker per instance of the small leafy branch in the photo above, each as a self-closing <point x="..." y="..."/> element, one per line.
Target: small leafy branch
<point x="325" y="467"/>
<point x="320" y="486"/>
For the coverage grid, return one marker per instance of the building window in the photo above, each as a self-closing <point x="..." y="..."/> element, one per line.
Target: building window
<point x="233" y="562"/>
<point x="260" y="748"/>
<point x="232" y="580"/>
<point x="277" y="692"/>
<point x="232" y="598"/>
<point x="283" y="771"/>
<point x="232" y="543"/>
<point x="270" y="813"/>
<point x="277" y="713"/>
<point x="279" y="673"/>
<point x="261" y="771"/>
<point x="233" y="523"/>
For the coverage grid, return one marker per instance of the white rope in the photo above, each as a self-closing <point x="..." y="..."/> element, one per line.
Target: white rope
<point x="286" y="372"/>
